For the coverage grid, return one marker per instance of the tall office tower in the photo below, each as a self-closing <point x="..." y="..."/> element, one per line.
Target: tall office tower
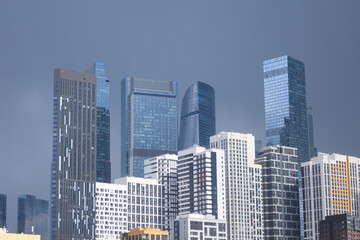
<point x="201" y="182"/>
<point x="145" y="202"/>
<point x="2" y="210"/>
<point x="312" y="149"/>
<point x="197" y="226"/>
<point x="111" y="211"/>
<point x="32" y="216"/>
<point x="149" y="122"/>
<point x="197" y="121"/>
<point x="73" y="168"/>
<point x="103" y="164"/>
<point x="244" y="207"/>
<point x="285" y="105"/>
<point x="280" y="183"/>
<point x="331" y="185"/>
<point x="164" y="169"/>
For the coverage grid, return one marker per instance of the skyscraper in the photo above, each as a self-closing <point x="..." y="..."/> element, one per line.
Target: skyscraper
<point x="243" y="184"/>
<point x="280" y="183"/>
<point x="164" y="169"/>
<point x="32" y="216"/>
<point x="312" y="149"/>
<point x="2" y="210"/>
<point x="73" y="168"/>
<point x="285" y="105"/>
<point x="103" y="164"/>
<point x="201" y="181"/>
<point x="197" y="121"/>
<point x="331" y="185"/>
<point x="149" y="122"/>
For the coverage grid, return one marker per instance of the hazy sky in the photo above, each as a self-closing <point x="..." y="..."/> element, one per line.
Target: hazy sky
<point x="222" y="43"/>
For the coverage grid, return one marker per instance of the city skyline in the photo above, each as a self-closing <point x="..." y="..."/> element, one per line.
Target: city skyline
<point x="228" y="48"/>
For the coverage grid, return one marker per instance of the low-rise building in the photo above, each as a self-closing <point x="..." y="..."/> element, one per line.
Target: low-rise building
<point x="196" y="227"/>
<point x="145" y="234"/>
<point x="4" y="235"/>
<point x="340" y="227"/>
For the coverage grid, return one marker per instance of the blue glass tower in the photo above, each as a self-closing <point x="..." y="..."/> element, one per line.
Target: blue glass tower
<point x="149" y="122"/>
<point x="32" y="216"/>
<point x="285" y="104"/>
<point x="103" y="164"/>
<point x="286" y="111"/>
<point x="197" y="121"/>
<point x="2" y="210"/>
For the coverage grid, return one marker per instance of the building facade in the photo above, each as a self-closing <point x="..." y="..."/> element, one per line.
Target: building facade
<point x="331" y="185"/>
<point x="280" y="183"/>
<point x="3" y="199"/>
<point x="285" y="104"/>
<point x="73" y="167"/>
<point x="149" y="122"/>
<point x="340" y="227"/>
<point x="145" y="233"/>
<point x="201" y="181"/>
<point x="4" y="235"/>
<point x="197" y="121"/>
<point x="197" y="227"/>
<point x="103" y="164"/>
<point x="145" y="202"/>
<point x="111" y="211"/>
<point x="243" y="183"/>
<point x="32" y="216"/>
<point x="312" y="148"/>
<point x="164" y="169"/>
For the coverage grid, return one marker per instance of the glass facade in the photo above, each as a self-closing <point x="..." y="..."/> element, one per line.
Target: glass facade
<point x="103" y="164"/>
<point x="285" y="105"/>
<point x="149" y="122"/>
<point x="197" y="121"/>
<point x="312" y="149"/>
<point x="286" y="111"/>
<point x="32" y="216"/>
<point x="73" y="167"/>
<point x="3" y="199"/>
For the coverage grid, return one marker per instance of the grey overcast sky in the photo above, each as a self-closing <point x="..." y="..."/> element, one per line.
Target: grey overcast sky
<point x="222" y="43"/>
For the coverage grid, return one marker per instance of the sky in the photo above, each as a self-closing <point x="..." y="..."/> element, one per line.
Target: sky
<point x="222" y="43"/>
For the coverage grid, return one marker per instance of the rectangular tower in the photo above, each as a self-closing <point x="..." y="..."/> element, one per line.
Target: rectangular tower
<point x="103" y="164"/>
<point x="243" y="184"/>
<point x="164" y="169"/>
<point x="149" y="122"/>
<point x="73" y="168"/>
<point x="331" y="185"/>
<point x="280" y="183"/>
<point x="111" y="211"/>
<point x="285" y="104"/>
<point x="145" y="202"/>
<point x="3" y="199"/>
<point x="32" y="216"/>
<point x="201" y="182"/>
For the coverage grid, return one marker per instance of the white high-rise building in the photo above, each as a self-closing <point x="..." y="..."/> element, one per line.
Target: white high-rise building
<point x="111" y="211"/>
<point x="197" y="226"/>
<point x="201" y="181"/>
<point x="244" y="213"/>
<point x="164" y="169"/>
<point x="145" y="202"/>
<point x="331" y="185"/>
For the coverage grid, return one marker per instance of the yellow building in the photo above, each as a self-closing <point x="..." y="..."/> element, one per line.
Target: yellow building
<point x="145" y="234"/>
<point x="12" y="236"/>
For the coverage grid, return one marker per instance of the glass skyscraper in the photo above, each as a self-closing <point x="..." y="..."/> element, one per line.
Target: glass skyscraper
<point x="286" y="111"/>
<point x="32" y="217"/>
<point x="73" y="167"/>
<point x="285" y="105"/>
<point x="312" y="148"/>
<point x="149" y="122"/>
<point x="2" y="210"/>
<point x="103" y="164"/>
<point x="197" y="121"/>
